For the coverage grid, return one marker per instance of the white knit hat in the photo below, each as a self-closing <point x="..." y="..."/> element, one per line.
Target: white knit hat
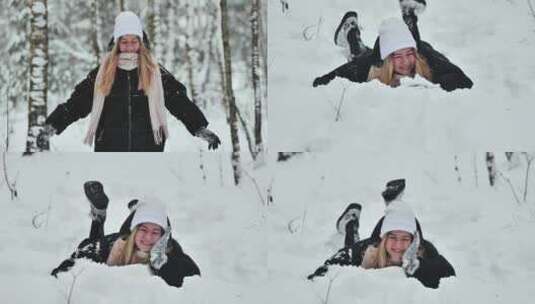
<point x="394" y="35"/>
<point x="398" y="216"/>
<point x="149" y="213"/>
<point x="127" y="23"/>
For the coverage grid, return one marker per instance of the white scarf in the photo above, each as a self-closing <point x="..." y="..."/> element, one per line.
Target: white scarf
<point x="155" y="95"/>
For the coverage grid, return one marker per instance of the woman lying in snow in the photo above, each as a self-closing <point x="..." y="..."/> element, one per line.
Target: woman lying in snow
<point x="397" y="240"/>
<point x="144" y="238"/>
<point x="398" y="53"/>
<point x="127" y="96"/>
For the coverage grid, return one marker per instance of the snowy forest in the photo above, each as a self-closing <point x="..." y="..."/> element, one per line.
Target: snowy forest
<point x="259" y="215"/>
<point x="257" y="243"/>
<point x="59" y="42"/>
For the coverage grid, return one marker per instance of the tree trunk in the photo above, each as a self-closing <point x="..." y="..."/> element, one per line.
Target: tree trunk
<point x="256" y="70"/>
<point x="229" y="94"/>
<point x="95" y="36"/>
<point x="154" y="28"/>
<point x="120" y="5"/>
<point x="38" y="87"/>
<point x="509" y="156"/>
<point x="491" y="167"/>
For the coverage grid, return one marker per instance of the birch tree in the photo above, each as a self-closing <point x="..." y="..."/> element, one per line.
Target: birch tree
<point x="37" y="93"/>
<point x="95" y="35"/>
<point x="256" y="70"/>
<point x="120" y="5"/>
<point x="229" y="94"/>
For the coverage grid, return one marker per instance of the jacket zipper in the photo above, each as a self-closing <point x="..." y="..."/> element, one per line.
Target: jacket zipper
<point x="129" y="113"/>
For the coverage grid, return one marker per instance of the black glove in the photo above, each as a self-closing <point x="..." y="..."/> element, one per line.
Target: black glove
<point x="64" y="266"/>
<point x="450" y="82"/>
<point x="323" y="80"/>
<point x="321" y="271"/>
<point x="210" y="137"/>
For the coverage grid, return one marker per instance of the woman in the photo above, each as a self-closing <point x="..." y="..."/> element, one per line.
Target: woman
<point x="144" y="238"/>
<point x="126" y="96"/>
<point x="398" y="53"/>
<point x="396" y="241"/>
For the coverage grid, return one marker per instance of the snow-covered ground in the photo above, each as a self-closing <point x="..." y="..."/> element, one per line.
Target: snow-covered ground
<point x="491" y="40"/>
<point x="252" y="253"/>
<point x="221" y="227"/>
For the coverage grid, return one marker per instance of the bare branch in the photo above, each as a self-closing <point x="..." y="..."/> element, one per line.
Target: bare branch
<point x="339" y="108"/>
<point x="475" y="170"/>
<point x="510" y="185"/>
<point x="456" y="168"/>
<point x="292" y="226"/>
<point x="12" y="186"/>
<point x="71" y="289"/>
<point x="257" y="187"/>
<point x="531" y="8"/>
<point x="529" y="160"/>
<point x="307" y="35"/>
<point x="250" y="145"/>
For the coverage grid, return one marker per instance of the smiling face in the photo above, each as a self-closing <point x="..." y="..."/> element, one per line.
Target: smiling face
<point x="147" y="235"/>
<point x="397" y="242"/>
<point x="129" y="44"/>
<point x="404" y="61"/>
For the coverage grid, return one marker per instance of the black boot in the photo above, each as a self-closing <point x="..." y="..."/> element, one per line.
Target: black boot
<point x="356" y="46"/>
<point x="132" y="204"/>
<point x="94" y="191"/>
<point x="415" y="7"/>
<point x="349" y="21"/>
<point x="410" y="9"/>
<point x="393" y="189"/>
<point x="351" y="214"/>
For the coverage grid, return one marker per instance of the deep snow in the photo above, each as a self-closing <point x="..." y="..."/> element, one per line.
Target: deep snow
<point x="252" y="253"/>
<point x="491" y="40"/>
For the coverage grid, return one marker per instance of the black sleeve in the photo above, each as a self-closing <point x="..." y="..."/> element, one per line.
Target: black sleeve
<point x="350" y="255"/>
<point x="179" y="265"/>
<point x="445" y="73"/>
<point x="178" y="103"/>
<point x="77" y="106"/>
<point x="433" y="267"/>
<point x="355" y="70"/>
<point x="95" y="250"/>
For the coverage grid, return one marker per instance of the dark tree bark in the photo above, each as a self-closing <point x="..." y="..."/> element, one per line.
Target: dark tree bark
<point x="256" y="70"/>
<point x="38" y="87"/>
<point x="229" y="94"/>
<point x="509" y="156"/>
<point x="120" y="5"/>
<point x="95" y="35"/>
<point x="491" y="167"/>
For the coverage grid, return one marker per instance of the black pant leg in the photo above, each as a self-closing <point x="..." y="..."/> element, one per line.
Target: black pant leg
<point x="97" y="230"/>
<point x="412" y="22"/>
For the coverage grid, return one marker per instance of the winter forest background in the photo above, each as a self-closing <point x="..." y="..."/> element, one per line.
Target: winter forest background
<point x="258" y="236"/>
<point x="186" y="37"/>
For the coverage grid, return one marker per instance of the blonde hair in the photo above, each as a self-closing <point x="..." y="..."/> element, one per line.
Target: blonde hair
<point x="385" y="73"/>
<point x="127" y="253"/>
<point x="147" y="66"/>
<point x="378" y="257"/>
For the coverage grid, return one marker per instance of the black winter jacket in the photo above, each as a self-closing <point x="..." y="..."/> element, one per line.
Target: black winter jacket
<point x="446" y="74"/>
<point x="179" y="265"/>
<point x="433" y="266"/>
<point x="125" y="120"/>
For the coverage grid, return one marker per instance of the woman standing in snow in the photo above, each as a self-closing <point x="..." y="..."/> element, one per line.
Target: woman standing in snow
<point x="144" y="238"/>
<point x="398" y="53"/>
<point x="127" y="96"/>
<point x="396" y="240"/>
